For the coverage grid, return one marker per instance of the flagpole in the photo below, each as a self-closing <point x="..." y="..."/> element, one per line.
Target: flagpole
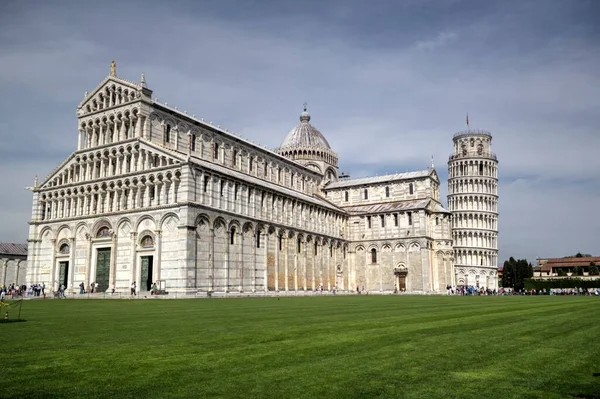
<point x="468" y="128"/>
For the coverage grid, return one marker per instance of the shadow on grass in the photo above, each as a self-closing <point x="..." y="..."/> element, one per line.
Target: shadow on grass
<point x="12" y="321"/>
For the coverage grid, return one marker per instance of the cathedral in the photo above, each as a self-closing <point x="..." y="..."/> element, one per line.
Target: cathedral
<point x="153" y="195"/>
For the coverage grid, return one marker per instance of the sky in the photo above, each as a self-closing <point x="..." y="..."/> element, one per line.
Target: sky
<point x="388" y="83"/>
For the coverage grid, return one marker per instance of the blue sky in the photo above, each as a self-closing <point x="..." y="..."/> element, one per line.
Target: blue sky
<point x="387" y="82"/>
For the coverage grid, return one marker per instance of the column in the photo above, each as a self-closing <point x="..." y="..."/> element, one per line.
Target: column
<point x="122" y="133"/>
<point x="158" y="235"/>
<point x="138" y="127"/>
<point x="287" y="250"/>
<point x="71" y="273"/>
<point x="133" y="257"/>
<point x="304" y="263"/>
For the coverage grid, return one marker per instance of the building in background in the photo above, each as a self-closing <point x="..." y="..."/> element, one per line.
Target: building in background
<point x="13" y="264"/>
<point x="473" y="201"/>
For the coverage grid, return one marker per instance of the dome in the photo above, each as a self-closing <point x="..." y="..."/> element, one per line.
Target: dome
<point x="305" y="135"/>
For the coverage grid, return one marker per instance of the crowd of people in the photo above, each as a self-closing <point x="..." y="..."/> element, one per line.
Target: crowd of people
<point x="15" y="291"/>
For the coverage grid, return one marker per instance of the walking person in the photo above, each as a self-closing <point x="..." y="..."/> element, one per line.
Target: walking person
<point x="133" y="287"/>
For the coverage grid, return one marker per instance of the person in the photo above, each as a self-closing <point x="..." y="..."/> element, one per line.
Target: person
<point x="133" y="288"/>
<point x="96" y="286"/>
<point x="81" y="288"/>
<point x="153" y="289"/>
<point x="92" y="287"/>
<point x="113" y="290"/>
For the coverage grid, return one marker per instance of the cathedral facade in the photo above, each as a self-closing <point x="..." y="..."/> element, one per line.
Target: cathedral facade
<point x="154" y="195"/>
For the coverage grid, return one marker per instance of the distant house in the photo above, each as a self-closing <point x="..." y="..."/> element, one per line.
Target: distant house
<point x="13" y="262"/>
<point x="558" y="267"/>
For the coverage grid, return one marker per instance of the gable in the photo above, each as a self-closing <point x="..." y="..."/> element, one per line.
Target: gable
<point x="108" y="162"/>
<point x="434" y="176"/>
<point x="111" y="92"/>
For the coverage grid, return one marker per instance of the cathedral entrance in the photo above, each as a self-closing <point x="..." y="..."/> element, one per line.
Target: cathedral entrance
<point x="146" y="273"/>
<point x="400" y="273"/>
<point x="63" y="273"/>
<point x="102" y="269"/>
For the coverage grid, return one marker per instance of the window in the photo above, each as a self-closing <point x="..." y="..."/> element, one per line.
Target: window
<point x="206" y="179"/>
<point x="235" y="192"/>
<point x="168" y="133"/>
<point x="382" y="220"/>
<point x="411" y="188"/>
<point x="249" y="194"/>
<point x="251" y="164"/>
<point x="299" y="245"/>
<point x="409" y="218"/>
<point x="396" y="219"/>
<point x="147" y="242"/>
<point x="346" y="196"/>
<point x="368" y="222"/>
<point x="258" y="239"/>
<point x="193" y="143"/>
<point x="216" y="151"/>
<point x="373" y="255"/>
<point x="103" y="233"/>
<point x="316" y="249"/>
<point x="331" y="251"/>
<point x="366" y="193"/>
<point x="234" y="160"/>
<point x="387" y="191"/>
<point x="64" y="249"/>
<point x="266" y="169"/>
<point x="222" y="187"/>
<point x="480" y="169"/>
<point x="279" y="175"/>
<point x="280" y="242"/>
<point x="437" y="221"/>
<point x="232" y="236"/>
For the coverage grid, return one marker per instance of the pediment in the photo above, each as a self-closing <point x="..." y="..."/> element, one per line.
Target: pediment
<point x="112" y="91"/>
<point x="434" y="176"/>
<point x="61" y="176"/>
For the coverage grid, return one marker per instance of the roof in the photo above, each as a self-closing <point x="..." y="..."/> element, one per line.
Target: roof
<point x="379" y="179"/>
<point x="9" y="248"/>
<point x="385" y="207"/>
<point x="569" y="262"/>
<point x="305" y="135"/>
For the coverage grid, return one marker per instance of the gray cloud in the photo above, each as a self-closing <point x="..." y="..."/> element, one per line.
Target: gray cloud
<point x="388" y="94"/>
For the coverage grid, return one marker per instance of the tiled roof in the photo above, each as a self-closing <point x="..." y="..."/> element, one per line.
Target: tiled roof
<point x="386" y="207"/>
<point x="379" y="179"/>
<point x="9" y="248"/>
<point x="569" y="262"/>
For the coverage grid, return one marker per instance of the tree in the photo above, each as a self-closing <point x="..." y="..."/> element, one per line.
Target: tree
<point x="578" y="271"/>
<point x="593" y="269"/>
<point x="561" y="273"/>
<point x="515" y="272"/>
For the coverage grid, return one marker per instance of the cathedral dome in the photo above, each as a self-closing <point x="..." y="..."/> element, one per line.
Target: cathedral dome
<point x="305" y="135"/>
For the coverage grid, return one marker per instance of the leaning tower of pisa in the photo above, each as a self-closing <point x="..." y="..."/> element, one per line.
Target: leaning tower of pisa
<point x="473" y="201"/>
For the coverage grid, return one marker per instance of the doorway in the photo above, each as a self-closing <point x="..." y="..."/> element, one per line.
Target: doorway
<point x="401" y="282"/>
<point x="146" y="273"/>
<point x="63" y="273"/>
<point x="102" y="269"/>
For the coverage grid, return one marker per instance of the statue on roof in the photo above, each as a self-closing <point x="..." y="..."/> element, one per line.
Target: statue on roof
<point x="113" y="68"/>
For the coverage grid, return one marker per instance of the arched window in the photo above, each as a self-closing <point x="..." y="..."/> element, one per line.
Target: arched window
<point x="216" y="151"/>
<point x="373" y="255"/>
<point x="387" y="191"/>
<point x="193" y="142"/>
<point x="366" y="193"/>
<point x="280" y="238"/>
<point x="411" y="188"/>
<point x="232" y="236"/>
<point x="103" y="232"/>
<point x="64" y="249"/>
<point x="258" y="239"/>
<point x="147" y="242"/>
<point x="167" y="133"/>
<point x="346" y="196"/>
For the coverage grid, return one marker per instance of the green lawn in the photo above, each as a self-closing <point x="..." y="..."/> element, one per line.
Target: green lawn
<point x="322" y="347"/>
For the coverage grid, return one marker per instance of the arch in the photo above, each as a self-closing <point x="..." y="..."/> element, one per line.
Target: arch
<point x="102" y="223"/>
<point x="145" y="218"/>
<point x="146" y="239"/>
<point x="203" y="219"/>
<point x="219" y="224"/>
<point x="414" y="246"/>
<point x="373" y="255"/>
<point x="62" y="229"/>
<point x="400" y="248"/>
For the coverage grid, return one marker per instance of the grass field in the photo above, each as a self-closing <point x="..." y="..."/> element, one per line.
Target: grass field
<point x="323" y="347"/>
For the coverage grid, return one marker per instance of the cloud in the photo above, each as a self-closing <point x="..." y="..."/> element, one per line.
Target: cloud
<point x="387" y="94"/>
<point x="441" y="40"/>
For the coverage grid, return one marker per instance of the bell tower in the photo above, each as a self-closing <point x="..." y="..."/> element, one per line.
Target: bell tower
<point x="473" y="202"/>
